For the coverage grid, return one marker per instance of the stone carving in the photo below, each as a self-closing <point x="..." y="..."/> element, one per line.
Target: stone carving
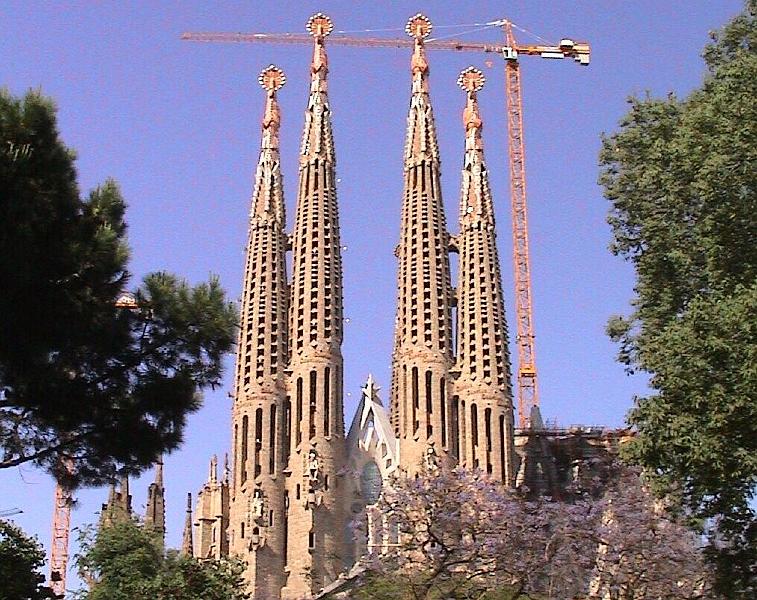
<point x="313" y="467"/>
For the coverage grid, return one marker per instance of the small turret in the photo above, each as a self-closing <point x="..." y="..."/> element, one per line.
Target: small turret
<point x="186" y="539"/>
<point x="155" y="512"/>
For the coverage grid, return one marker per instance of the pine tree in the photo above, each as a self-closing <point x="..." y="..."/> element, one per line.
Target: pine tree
<point x="85" y="380"/>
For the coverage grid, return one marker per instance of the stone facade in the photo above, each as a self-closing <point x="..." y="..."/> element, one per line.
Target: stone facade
<point x="212" y="515"/>
<point x="482" y="407"/>
<point x="423" y="342"/>
<point x="295" y="481"/>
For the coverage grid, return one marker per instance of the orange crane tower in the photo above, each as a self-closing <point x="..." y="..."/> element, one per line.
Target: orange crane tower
<point x="61" y="529"/>
<point x="64" y="500"/>
<point x="580" y="52"/>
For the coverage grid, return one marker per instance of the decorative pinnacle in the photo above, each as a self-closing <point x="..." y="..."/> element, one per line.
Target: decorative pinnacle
<point x="272" y="78"/>
<point x="418" y="27"/>
<point x="319" y="25"/>
<point x="471" y="80"/>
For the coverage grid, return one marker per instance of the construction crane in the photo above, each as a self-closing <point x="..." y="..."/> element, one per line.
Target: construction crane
<point x="64" y="498"/>
<point x="61" y="531"/>
<point x="511" y="51"/>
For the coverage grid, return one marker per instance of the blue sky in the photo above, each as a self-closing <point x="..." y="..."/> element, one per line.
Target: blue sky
<point x="177" y="125"/>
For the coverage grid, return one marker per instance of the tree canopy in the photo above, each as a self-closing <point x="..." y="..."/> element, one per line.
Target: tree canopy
<point x="460" y="535"/>
<point x="123" y="560"/>
<point x="84" y="379"/>
<point x="680" y="176"/>
<point x="21" y="559"/>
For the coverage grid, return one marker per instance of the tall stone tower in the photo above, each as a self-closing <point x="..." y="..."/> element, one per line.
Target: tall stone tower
<point x="256" y="529"/>
<point x="482" y="401"/>
<point x="155" y="511"/>
<point x="422" y="356"/>
<point x="315" y="525"/>
<point x="213" y="511"/>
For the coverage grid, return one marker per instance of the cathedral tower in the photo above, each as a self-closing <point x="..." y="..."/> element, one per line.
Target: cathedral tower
<point x="422" y="356"/>
<point x="314" y="523"/>
<point x="257" y="503"/>
<point x="482" y="400"/>
<point x="155" y="511"/>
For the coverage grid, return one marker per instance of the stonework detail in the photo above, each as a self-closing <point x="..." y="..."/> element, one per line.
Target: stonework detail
<point x="423" y="344"/>
<point x="155" y="511"/>
<point x="295" y="482"/>
<point x="372" y="459"/>
<point x="260" y="399"/>
<point x="212" y="515"/>
<point x="482" y="405"/>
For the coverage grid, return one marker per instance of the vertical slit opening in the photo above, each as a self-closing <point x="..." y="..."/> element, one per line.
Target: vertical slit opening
<point x="258" y="438"/>
<point x="311" y="404"/>
<point x="245" y="449"/>
<point x="272" y="442"/>
<point x="415" y="399"/>
<point x="443" y="409"/>
<point x="326" y="401"/>
<point x="299" y="410"/>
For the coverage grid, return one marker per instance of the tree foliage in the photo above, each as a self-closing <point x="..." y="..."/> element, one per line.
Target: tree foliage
<point x="681" y="176"/>
<point x="462" y="536"/>
<point x="81" y="377"/>
<point x="21" y="559"/>
<point x="125" y="561"/>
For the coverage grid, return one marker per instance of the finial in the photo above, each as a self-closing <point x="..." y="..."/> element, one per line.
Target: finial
<point x="186" y="541"/>
<point x="471" y="80"/>
<point x="370" y="389"/>
<point x="418" y="27"/>
<point x="159" y="471"/>
<point x="213" y="470"/>
<point x="272" y="78"/>
<point x="319" y="25"/>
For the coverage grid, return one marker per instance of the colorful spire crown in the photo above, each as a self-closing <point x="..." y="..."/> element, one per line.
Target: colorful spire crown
<point x="272" y="79"/>
<point x="471" y="81"/>
<point x="319" y="25"/>
<point x="419" y="28"/>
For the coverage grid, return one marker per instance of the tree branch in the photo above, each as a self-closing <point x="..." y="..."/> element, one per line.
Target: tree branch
<point x="40" y="454"/>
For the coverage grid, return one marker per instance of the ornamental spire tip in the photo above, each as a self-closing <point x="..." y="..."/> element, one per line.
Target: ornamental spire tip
<point x="319" y="25"/>
<point x="272" y="78"/>
<point x="418" y="27"/>
<point x="471" y="80"/>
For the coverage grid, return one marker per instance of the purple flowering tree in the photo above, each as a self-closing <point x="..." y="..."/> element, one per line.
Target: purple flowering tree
<point x="456" y="534"/>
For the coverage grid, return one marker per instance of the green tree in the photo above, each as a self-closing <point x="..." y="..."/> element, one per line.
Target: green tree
<point x="125" y="561"/>
<point x="21" y="559"/>
<point x="681" y="175"/>
<point x="82" y="377"/>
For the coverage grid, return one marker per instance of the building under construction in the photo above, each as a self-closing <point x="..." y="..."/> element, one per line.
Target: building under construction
<point x="284" y="501"/>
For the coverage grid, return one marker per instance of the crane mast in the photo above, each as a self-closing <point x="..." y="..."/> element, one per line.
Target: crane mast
<point x="61" y="529"/>
<point x="580" y="52"/>
<point x="528" y="395"/>
<point x="64" y="500"/>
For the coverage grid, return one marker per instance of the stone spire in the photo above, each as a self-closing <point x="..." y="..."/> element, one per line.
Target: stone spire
<point x="483" y="392"/>
<point x="422" y="354"/>
<point x="256" y="489"/>
<point x="314" y="523"/>
<point x="118" y="506"/>
<point x="213" y="511"/>
<point x="155" y="512"/>
<point x="186" y="539"/>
